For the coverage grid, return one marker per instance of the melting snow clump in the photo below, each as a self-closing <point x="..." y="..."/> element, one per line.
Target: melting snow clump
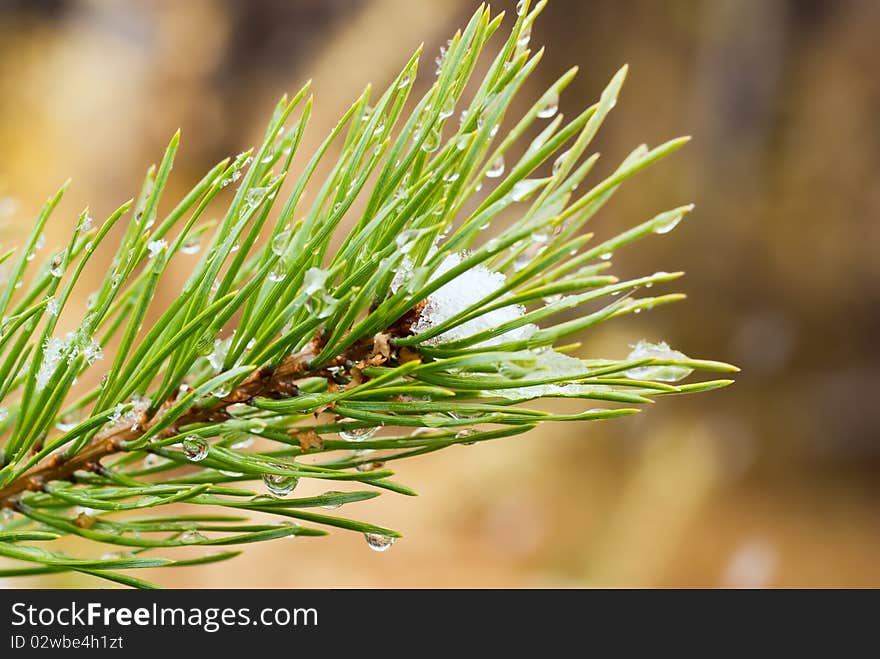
<point x="92" y="351"/>
<point x="314" y="280"/>
<point x="466" y="289"/>
<point x="647" y="350"/>
<point x="549" y="364"/>
<point x="56" y="349"/>
<point x="53" y="351"/>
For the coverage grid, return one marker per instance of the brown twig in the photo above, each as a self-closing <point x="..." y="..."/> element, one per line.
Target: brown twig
<point x="279" y="382"/>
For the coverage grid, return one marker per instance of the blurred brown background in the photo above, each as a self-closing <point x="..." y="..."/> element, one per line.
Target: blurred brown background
<point x="773" y="481"/>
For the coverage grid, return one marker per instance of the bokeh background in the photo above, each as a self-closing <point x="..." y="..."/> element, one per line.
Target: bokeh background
<point x="773" y="481"/>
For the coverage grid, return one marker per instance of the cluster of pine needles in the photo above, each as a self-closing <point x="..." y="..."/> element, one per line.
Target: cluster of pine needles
<point x="462" y="277"/>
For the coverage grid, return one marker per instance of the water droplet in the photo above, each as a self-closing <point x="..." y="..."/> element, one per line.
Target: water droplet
<point x="279" y="243"/>
<point x="521" y="261"/>
<point x="521" y="7"/>
<point x="496" y="167"/>
<point x="279" y="484"/>
<point x="371" y="465"/>
<point x="550" y="299"/>
<point x="277" y="274"/>
<point x="52" y="306"/>
<point x="331" y="506"/>
<point x="190" y="246"/>
<point x="221" y="391"/>
<point x="379" y="542"/>
<point x="192" y="537"/>
<point x="115" y="555"/>
<point x="451" y="177"/>
<point x="432" y="141"/>
<point x="243" y="443"/>
<point x="219" y="353"/>
<point x="4" y="414"/>
<point x="524" y="37"/>
<point x="404" y="81"/>
<point x="557" y="164"/>
<point x="606" y="256"/>
<point x="56" y="269"/>
<point x="667" y="225"/>
<point x="195" y="448"/>
<point x="357" y="434"/>
<point x="418" y="432"/>
<point x="6" y="515"/>
<point x="549" y="105"/>
<point x="66" y="423"/>
<point x="465" y="433"/>
<point x="290" y="525"/>
<point x="522" y="189"/>
<point x="448" y="109"/>
<point x="155" y="246"/>
<point x="254" y="197"/>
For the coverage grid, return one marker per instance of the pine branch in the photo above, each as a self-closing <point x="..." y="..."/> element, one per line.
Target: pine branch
<point x="415" y="335"/>
<point x="267" y="382"/>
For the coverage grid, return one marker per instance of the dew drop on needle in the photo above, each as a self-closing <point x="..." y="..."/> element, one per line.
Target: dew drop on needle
<point x="549" y="106"/>
<point x="378" y="542"/>
<point x="195" y="448"/>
